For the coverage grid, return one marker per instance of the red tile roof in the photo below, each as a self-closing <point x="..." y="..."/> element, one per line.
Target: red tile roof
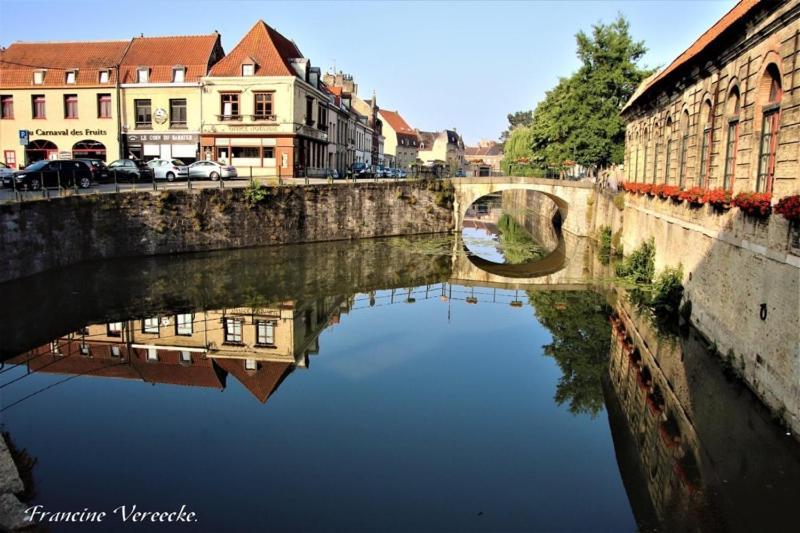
<point x="737" y="13"/>
<point x="397" y="122"/>
<point x="261" y="382"/>
<point x="270" y="50"/>
<point x="485" y="151"/>
<point x="160" y="54"/>
<point x="20" y="60"/>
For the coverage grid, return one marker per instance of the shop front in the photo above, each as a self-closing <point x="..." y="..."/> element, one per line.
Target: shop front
<point x="147" y="146"/>
<point x="252" y="155"/>
<point x="61" y="144"/>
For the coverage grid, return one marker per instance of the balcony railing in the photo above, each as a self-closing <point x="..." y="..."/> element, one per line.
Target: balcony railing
<point x="263" y="118"/>
<point x="227" y="118"/>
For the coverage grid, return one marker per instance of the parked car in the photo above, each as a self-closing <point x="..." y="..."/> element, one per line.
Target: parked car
<point x="6" y="175"/>
<point x="401" y="173"/>
<point x="64" y="173"/>
<point x="360" y="170"/>
<point x="98" y="167"/>
<point x="130" y="169"/>
<point x="332" y="173"/>
<point x="381" y="171"/>
<point x="394" y="173"/>
<point x="460" y="173"/>
<point x="211" y="170"/>
<point x="168" y="169"/>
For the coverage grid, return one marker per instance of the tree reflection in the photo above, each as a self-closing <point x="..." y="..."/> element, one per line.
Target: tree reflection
<point x="577" y="321"/>
<point x="516" y="243"/>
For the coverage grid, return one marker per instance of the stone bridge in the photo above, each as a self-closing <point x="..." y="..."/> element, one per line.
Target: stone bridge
<point x="572" y="198"/>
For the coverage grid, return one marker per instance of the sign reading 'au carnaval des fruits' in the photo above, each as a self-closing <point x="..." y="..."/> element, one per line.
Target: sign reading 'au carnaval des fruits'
<point x="74" y="131"/>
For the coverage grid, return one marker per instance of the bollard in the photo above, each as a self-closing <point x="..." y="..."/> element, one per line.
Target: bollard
<point x="155" y="187"/>
<point x="58" y="181"/>
<point x="188" y="181"/>
<point x="116" y="185"/>
<point x="41" y="184"/>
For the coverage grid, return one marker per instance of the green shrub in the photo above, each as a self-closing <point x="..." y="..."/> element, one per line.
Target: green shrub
<point x="639" y="267"/>
<point x="619" y="201"/>
<point x="256" y="193"/>
<point x="604" y="239"/>
<point x="668" y="291"/>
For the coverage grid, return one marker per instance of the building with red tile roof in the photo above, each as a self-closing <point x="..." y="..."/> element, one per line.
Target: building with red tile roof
<point x="720" y="114"/>
<point x="265" y="110"/>
<point x="401" y="146"/>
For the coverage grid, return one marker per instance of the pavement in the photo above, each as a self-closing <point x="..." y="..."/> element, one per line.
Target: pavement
<point x="10" y="196"/>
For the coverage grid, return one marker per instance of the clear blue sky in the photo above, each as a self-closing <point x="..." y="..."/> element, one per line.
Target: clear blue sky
<point x="441" y="64"/>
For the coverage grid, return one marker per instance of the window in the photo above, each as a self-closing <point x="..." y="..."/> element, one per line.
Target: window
<point x="309" y="111"/>
<point x="114" y="329"/>
<point x="684" y="146"/>
<point x="644" y="160"/>
<point x="184" y="324"/>
<point x="178" y="74"/>
<point x="142" y="75"/>
<point x="7" y="109"/>
<point x="230" y="106"/>
<point x="322" y="117"/>
<point x="233" y="330"/>
<point x="104" y="76"/>
<point x="38" y="106"/>
<point x="245" y="151"/>
<point x="668" y="150"/>
<point x="84" y="350"/>
<point x="186" y="357"/>
<point x="71" y="76"/>
<point x="55" y="348"/>
<point x="152" y="354"/>
<point x="150" y="325"/>
<point x="250" y="364"/>
<point x="103" y="106"/>
<point x="177" y="113"/>
<point x="732" y="142"/>
<point x="144" y="118"/>
<point x="705" y="147"/>
<point x="70" y="106"/>
<point x="265" y="333"/>
<point x="768" y="142"/>
<point x="269" y="152"/>
<point x="115" y="351"/>
<point x="656" y="151"/>
<point x="248" y="69"/>
<point x="262" y="103"/>
<point x="38" y="77"/>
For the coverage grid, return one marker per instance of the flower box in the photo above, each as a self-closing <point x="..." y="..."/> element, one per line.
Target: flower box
<point x="693" y="196"/>
<point x="718" y="198"/>
<point x="789" y="208"/>
<point x="754" y="204"/>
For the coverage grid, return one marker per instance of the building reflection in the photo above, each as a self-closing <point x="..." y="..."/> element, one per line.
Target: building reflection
<point x="696" y="450"/>
<point x="258" y="346"/>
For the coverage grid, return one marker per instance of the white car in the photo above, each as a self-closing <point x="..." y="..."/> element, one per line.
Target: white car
<point x="211" y="170"/>
<point x="168" y="169"/>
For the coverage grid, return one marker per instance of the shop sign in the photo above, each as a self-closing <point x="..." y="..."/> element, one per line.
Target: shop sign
<point x="164" y="138"/>
<point x="75" y="132"/>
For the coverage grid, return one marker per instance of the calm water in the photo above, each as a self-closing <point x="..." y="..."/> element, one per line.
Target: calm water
<point x="359" y="386"/>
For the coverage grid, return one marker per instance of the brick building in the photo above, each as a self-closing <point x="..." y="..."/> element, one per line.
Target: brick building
<point x="725" y="112"/>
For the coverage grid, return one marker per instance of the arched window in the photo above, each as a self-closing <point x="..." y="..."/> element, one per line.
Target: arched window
<point x="684" y="146"/>
<point x="704" y="170"/>
<point x="636" y="157"/>
<point x="770" y="94"/>
<point x="656" y="150"/>
<point x="38" y="150"/>
<point x="89" y="149"/>
<point x="646" y="142"/>
<point x="668" y="151"/>
<point x="732" y="142"/>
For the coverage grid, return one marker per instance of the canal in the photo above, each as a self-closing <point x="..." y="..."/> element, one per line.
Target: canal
<point x="372" y="385"/>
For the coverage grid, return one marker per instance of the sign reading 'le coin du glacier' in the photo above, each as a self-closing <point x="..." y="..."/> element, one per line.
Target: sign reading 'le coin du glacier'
<point x="76" y="132"/>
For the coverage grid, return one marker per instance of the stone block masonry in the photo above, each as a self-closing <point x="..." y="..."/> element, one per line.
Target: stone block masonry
<point x="41" y="235"/>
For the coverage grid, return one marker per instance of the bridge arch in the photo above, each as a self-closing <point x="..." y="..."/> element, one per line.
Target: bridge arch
<point x="571" y="198"/>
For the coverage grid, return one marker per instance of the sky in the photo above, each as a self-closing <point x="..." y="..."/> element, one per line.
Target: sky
<point x="442" y="64"/>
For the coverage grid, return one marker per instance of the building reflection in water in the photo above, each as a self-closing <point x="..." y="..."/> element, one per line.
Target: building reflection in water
<point x="257" y="346"/>
<point x="695" y="449"/>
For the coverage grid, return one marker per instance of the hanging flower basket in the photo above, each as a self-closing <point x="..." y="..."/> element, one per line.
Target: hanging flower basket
<point x="754" y="204"/>
<point x="693" y="196"/>
<point x="789" y="208"/>
<point x="719" y="198"/>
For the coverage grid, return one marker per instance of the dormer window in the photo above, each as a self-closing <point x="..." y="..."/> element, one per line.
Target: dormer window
<point x="178" y="74"/>
<point x="71" y="76"/>
<point x="142" y="75"/>
<point x="248" y="69"/>
<point x="104" y="76"/>
<point x="38" y="77"/>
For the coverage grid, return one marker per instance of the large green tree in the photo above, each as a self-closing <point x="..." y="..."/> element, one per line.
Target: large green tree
<point x="579" y="120"/>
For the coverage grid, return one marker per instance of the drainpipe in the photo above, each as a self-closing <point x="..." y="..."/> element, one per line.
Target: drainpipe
<point x="122" y="155"/>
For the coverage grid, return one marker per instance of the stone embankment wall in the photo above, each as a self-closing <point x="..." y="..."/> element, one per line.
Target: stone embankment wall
<point x="536" y="212"/>
<point x="40" y="235"/>
<point x="742" y="277"/>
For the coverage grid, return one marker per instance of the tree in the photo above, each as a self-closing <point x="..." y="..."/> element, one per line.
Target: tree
<point x="579" y="119"/>
<point x="519" y="118"/>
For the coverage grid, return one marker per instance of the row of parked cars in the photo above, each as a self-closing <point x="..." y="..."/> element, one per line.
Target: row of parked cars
<point x="362" y="170"/>
<point x="83" y="172"/>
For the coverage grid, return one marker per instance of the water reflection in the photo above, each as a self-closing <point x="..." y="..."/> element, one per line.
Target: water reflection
<point x="399" y="396"/>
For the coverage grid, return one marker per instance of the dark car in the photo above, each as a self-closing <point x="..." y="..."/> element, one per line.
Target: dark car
<point x="130" y="170"/>
<point x="63" y="173"/>
<point x="98" y="167"/>
<point x="360" y="170"/>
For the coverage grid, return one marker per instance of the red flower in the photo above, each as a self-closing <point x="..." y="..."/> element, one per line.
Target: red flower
<point x="720" y="198"/>
<point x="754" y="204"/>
<point x="789" y="207"/>
<point x="694" y="196"/>
<point x="671" y="191"/>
